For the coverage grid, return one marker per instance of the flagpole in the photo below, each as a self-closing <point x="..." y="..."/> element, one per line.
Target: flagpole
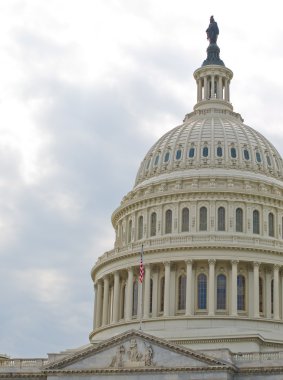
<point x="141" y="282"/>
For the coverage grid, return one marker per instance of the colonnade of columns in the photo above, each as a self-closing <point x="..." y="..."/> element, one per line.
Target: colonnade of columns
<point x="212" y="86"/>
<point x="118" y="295"/>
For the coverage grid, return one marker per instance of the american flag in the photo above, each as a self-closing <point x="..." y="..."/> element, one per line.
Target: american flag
<point x="141" y="266"/>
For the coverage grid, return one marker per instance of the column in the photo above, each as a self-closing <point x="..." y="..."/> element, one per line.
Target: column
<point x="211" y="286"/>
<point x="220" y="88"/>
<point x="189" y="288"/>
<point x="105" y="301"/>
<point x="205" y="89"/>
<point x="129" y="300"/>
<point x="226" y="96"/>
<point x="116" y="298"/>
<point x="98" y="311"/>
<point x="146" y="291"/>
<point x="155" y="293"/>
<point x="167" y="289"/>
<point x="268" y="293"/>
<point x="140" y="306"/>
<point x="199" y="90"/>
<point x="212" y="95"/>
<point x="234" y="295"/>
<point x="276" y="291"/>
<point x="256" y="289"/>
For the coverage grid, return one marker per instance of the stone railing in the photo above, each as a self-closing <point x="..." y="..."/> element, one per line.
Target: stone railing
<point x="257" y="356"/>
<point x="192" y="241"/>
<point x="22" y="363"/>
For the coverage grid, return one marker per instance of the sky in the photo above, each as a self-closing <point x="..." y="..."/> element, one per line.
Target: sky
<point x="86" y="88"/>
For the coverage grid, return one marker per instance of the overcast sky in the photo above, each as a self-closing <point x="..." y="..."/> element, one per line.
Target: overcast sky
<point x="86" y="87"/>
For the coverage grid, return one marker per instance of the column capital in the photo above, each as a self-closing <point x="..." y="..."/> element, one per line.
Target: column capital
<point x="256" y="264"/>
<point x="211" y="261"/>
<point x="147" y="266"/>
<point x="234" y="262"/>
<point x="130" y="269"/>
<point x="189" y="261"/>
<point x="276" y="267"/>
<point x="167" y="263"/>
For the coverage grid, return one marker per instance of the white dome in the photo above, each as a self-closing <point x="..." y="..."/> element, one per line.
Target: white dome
<point x="211" y="141"/>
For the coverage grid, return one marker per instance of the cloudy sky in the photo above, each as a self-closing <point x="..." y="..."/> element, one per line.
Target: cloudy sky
<point x="86" y="87"/>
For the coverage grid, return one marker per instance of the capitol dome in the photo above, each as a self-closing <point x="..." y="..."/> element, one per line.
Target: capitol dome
<point x="206" y="211"/>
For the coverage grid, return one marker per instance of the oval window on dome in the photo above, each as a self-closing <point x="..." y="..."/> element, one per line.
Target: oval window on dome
<point x="268" y="160"/>
<point x="246" y="154"/>
<point x="258" y="157"/>
<point x="219" y="151"/>
<point x="148" y="163"/>
<point x="156" y="160"/>
<point x="178" y="154"/>
<point x="191" y="152"/>
<point x="205" y="151"/>
<point x="233" y="153"/>
<point x="166" y="157"/>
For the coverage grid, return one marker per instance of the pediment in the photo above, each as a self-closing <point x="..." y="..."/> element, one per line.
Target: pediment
<point x="134" y="349"/>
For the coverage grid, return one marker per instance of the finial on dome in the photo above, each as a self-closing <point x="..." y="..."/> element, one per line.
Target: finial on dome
<point x="213" y="50"/>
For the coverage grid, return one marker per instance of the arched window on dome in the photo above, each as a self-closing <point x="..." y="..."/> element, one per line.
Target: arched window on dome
<point x="239" y="220"/>
<point x="205" y="151"/>
<point x="221" y="292"/>
<point x="153" y="224"/>
<point x="203" y="219"/>
<point x="150" y="295"/>
<point x="178" y="154"/>
<point x="246" y="154"/>
<point x="135" y="297"/>
<point x="156" y="160"/>
<point x="258" y="157"/>
<point x="167" y="157"/>
<point x="140" y="227"/>
<point x="202" y="291"/>
<point x="221" y="218"/>
<point x="168" y="222"/>
<point x="282" y="227"/>
<point x="130" y="226"/>
<point x="241" y="292"/>
<point x="256" y="225"/>
<point x="182" y="285"/>
<point x="268" y="160"/>
<point x="219" y="151"/>
<point x="162" y="289"/>
<point x="191" y="152"/>
<point x="233" y="152"/>
<point x="271" y="224"/>
<point x="185" y="219"/>
<point x="260" y="291"/>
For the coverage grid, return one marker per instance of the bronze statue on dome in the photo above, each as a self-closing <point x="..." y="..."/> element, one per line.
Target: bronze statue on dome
<point x="212" y="31"/>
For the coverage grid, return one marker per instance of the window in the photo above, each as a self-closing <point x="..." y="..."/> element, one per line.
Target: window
<point x="233" y="153"/>
<point x="203" y="219"/>
<point x="256" y="222"/>
<point x="282" y="227"/>
<point x="241" y="291"/>
<point x="260" y="295"/>
<point x="182" y="292"/>
<point x="168" y="222"/>
<point x="156" y="160"/>
<point x="270" y="224"/>
<point x="178" y="154"/>
<point x="258" y="157"/>
<point x="166" y="157"/>
<point x="246" y="154"/>
<point x="221" y="292"/>
<point x="202" y="291"/>
<point x="191" y="152"/>
<point x="185" y="219"/>
<point x="268" y="160"/>
<point x="153" y="224"/>
<point x="205" y="151"/>
<point x="123" y="302"/>
<point x="148" y="163"/>
<point x="150" y="295"/>
<point x="219" y="151"/>
<point x="239" y="220"/>
<point x="221" y="219"/>
<point x="135" y="297"/>
<point x="130" y="231"/>
<point x="140" y="227"/>
<point x="272" y="295"/>
<point x="162" y="289"/>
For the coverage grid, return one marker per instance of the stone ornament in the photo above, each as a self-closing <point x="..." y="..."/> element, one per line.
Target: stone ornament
<point x="129" y="355"/>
